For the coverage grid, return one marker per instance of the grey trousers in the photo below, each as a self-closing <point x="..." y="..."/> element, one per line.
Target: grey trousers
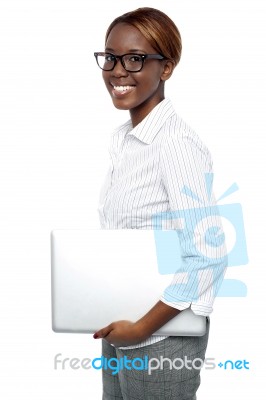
<point x="169" y="382"/>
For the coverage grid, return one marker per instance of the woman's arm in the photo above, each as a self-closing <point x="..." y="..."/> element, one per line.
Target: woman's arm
<point x="126" y="333"/>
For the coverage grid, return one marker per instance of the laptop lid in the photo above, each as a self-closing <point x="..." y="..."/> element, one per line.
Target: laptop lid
<point x="100" y="276"/>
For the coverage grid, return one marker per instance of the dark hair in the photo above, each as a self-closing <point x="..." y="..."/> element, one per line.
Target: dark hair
<point x="160" y="31"/>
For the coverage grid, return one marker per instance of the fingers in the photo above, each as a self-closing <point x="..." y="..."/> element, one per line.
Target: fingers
<point x="102" y="333"/>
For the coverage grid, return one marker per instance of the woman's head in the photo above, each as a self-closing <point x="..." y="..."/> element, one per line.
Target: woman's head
<point x="142" y="48"/>
<point x="159" y="30"/>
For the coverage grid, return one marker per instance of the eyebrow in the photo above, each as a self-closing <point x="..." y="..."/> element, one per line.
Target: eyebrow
<point x="129" y="51"/>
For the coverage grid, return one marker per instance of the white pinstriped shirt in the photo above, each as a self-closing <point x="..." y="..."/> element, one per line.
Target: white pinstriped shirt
<point x="150" y="165"/>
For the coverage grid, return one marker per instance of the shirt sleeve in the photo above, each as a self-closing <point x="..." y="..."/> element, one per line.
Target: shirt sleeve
<point x="186" y="167"/>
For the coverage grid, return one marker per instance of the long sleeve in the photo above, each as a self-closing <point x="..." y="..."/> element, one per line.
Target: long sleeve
<point x="186" y="171"/>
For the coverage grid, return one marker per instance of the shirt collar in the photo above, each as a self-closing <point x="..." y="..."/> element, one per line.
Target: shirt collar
<point x="149" y="127"/>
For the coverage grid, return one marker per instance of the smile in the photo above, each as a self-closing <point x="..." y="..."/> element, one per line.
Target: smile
<point x="121" y="90"/>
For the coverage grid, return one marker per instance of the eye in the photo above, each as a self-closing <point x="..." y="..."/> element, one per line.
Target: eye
<point x="135" y="58"/>
<point x="109" y="58"/>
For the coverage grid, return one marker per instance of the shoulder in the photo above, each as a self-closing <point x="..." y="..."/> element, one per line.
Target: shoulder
<point x="178" y="133"/>
<point x="181" y="145"/>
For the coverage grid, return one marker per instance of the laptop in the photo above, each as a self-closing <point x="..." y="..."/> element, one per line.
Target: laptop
<point x="100" y="276"/>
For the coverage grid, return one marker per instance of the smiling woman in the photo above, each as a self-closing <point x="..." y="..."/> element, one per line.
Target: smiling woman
<point x="159" y="49"/>
<point x="153" y="156"/>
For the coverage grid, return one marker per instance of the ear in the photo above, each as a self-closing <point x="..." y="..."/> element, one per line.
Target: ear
<point x="168" y="68"/>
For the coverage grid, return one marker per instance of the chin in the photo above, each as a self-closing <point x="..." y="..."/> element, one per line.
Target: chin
<point x="120" y="105"/>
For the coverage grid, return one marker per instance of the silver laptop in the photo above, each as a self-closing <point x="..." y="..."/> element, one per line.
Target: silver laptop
<point x="101" y="276"/>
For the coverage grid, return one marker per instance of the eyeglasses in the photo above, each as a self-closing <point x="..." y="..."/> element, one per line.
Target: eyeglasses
<point x="130" y="61"/>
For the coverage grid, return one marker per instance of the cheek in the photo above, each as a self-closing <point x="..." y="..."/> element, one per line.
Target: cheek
<point x="105" y="77"/>
<point x="151" y="76"/>
<point x="149" y="84"/>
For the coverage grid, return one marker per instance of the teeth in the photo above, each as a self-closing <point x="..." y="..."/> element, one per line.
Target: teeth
<point x="122" y="88"/>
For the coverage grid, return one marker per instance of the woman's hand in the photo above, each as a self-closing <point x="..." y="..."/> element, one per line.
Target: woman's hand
<point x="120" y="333"/>
<point x="125" y="333"/>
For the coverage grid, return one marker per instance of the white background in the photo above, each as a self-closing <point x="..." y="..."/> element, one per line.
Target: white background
<point x="56" y="117"/>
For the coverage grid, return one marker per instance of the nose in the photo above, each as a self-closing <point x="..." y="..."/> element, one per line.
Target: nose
<point x="119" y="70"/>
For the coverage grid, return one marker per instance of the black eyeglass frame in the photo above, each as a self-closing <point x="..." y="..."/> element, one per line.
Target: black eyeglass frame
<point x="143" y="57"/>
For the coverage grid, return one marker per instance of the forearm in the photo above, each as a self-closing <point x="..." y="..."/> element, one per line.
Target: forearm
<point x="125" y="333"/>
<point x="155" y="318"/>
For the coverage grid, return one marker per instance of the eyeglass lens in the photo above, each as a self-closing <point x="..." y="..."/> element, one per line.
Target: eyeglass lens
<point x="131" y="62"/>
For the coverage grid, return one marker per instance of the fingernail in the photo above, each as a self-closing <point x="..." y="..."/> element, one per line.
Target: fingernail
<point x="95" y="336"/>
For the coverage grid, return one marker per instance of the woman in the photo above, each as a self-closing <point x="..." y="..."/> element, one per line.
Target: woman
<point x="154" y="156"/>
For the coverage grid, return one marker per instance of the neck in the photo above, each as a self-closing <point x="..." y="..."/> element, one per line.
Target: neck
<point x="139" y="113"/>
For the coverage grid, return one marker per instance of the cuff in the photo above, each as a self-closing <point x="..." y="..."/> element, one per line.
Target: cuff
<point x="198" y="308"/>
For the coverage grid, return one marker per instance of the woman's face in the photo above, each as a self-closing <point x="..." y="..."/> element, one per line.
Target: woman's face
<point x="145" y="89"/>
